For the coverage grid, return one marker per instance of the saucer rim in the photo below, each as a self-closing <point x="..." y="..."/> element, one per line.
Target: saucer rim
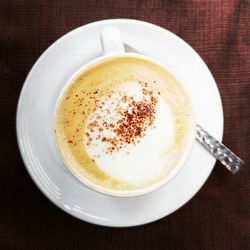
<point x="21" y="97"/>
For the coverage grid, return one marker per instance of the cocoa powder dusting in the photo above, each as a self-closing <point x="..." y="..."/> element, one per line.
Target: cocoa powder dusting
<point x="134" y="119"/>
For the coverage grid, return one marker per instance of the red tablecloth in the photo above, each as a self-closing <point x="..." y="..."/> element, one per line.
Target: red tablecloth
<point x="218" y="217"/>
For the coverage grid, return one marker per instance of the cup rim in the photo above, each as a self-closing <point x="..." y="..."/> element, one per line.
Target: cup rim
<point x="176" y="169"/>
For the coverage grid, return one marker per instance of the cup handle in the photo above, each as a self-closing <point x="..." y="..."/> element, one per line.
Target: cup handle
<point x="111" y="41"/>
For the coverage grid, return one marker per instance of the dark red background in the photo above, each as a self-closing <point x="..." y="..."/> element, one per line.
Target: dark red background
<point x="218" y="217"/>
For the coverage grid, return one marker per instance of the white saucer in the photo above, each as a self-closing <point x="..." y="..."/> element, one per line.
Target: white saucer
<point x="35" y="123"/>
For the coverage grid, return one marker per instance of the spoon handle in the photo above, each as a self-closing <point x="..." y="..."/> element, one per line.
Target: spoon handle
<point x="231" y="161"/>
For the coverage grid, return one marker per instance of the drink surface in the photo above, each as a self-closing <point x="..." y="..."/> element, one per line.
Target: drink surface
<point x="122" y="123"/>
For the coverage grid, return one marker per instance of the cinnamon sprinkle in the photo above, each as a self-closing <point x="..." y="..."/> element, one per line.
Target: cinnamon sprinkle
<point x="134" y="119"/>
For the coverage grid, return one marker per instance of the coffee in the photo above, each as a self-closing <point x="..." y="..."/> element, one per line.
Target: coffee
<point x="122" y="123"/>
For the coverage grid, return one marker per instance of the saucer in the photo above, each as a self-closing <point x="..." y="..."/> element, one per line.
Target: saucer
<point x="35" y="114"/>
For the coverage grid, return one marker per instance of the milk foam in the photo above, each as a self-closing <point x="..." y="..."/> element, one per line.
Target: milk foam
<point x="133" y="163"/>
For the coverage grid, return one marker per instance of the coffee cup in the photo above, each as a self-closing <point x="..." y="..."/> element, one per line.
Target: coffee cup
<point x="124" y="125"/>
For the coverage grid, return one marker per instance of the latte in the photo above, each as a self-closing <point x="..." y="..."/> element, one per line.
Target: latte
<point x="122" y="123"/>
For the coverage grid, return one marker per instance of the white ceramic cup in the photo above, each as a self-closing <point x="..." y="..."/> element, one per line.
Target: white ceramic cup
<point x="112" y="46"/>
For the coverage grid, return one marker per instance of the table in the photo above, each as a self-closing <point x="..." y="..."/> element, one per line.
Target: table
<point x="218" y="217"/>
